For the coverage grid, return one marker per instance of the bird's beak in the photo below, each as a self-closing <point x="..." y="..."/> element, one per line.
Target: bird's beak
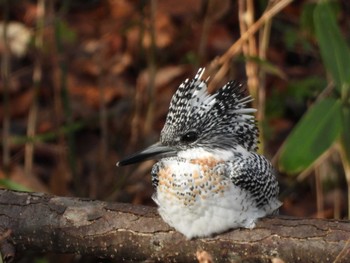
<point x="155" y="151"/>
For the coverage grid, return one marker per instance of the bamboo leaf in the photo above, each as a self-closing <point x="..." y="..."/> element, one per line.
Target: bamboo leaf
<point x="312" y="136"/>
<point x="346" y="132"/>
<point x="334" y="49"/>
<point x="266" y="66"/>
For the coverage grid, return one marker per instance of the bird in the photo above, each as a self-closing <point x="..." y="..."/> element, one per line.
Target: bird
<point x="208" y="177"/>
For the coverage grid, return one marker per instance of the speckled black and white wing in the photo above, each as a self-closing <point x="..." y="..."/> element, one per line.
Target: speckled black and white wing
<point x="255" y="174"/>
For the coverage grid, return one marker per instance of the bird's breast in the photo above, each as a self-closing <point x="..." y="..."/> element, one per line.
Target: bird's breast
<point x="190" y="181"/>
<point x="197" y="198"/>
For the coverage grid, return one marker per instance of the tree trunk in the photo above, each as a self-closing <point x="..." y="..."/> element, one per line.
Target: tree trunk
<point x="40" y="222"/>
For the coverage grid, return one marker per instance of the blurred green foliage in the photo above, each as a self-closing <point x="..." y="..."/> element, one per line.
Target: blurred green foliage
<point x="9" y="184"/>
<point x="314" y="134"/>
<point x="326" y="120"/>
<point x="66" y="33"/>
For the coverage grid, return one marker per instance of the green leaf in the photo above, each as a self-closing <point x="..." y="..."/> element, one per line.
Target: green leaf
<point x="312" y="136"/>
<point x="306" y="17"/>
<point x="9" y="184"/>
<point x="334" y="49"/>
<point x="302" y="90"/>
<point x="346" y="132"/>
<point x="66" y="33"/>
<point x="44" y="137"/>
<point x="266" y="66"/>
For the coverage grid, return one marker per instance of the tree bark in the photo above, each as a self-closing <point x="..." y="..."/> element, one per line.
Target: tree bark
<point x="40" y="222"/>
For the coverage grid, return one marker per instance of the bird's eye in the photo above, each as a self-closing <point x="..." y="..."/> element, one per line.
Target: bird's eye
<point x="190" y="136"/>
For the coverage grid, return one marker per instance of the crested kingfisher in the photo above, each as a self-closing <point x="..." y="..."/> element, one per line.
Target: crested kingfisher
<point x="209" y="177"/>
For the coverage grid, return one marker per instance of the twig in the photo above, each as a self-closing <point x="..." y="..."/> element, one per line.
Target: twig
<point x="151" y="60"/>
<point x="264" y="38"/>
<point x="346" y="165"/>
<point x="205" y="31"/>
<point x="246" y="19"/>
<point x="223" y="61"/>
<point x="37" y="75"/>
<point x="319" y="192"/>
<point x="5" y="73"/>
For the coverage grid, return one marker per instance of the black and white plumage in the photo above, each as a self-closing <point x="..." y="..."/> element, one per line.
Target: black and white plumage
<point x="219" y="120"/>
<point x="209" y="178"/>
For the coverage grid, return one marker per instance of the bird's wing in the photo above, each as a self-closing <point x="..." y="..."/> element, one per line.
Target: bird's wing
<point x="255" y="174"/>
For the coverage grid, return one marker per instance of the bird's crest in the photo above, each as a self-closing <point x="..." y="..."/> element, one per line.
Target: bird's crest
<point x="219" y="120"/>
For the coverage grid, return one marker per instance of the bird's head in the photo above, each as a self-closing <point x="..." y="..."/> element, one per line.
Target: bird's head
<point x="198" y="119"/>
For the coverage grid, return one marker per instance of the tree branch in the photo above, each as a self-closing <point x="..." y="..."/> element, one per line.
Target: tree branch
<point x="40" y="222"/>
